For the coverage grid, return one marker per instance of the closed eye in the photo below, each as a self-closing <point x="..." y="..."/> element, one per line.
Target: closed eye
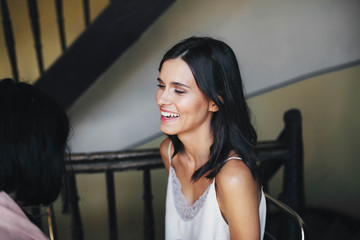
<point x="179" y="91"/>
<point x="160" y="83"/>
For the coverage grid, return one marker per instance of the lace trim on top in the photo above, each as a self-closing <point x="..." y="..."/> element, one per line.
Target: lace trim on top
<point x="185" y="211"/>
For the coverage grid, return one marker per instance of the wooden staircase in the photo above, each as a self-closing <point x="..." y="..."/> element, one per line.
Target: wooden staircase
<point x="105" y="39"/>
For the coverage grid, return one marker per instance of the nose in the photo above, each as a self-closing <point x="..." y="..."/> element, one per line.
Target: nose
<point x="162" y="97"/>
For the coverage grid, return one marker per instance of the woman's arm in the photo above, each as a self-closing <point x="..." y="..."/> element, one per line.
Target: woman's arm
<point x="164" y="146"/>
<point x="239" y="195"/>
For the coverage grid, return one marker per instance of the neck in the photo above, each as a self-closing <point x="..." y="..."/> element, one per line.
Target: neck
<point x="197" y="147"/>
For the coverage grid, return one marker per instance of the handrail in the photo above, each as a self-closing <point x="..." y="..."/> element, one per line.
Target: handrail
<point x="283" y="207"/>
<point x="114" y="161"/>
<point x="150" y="158"/>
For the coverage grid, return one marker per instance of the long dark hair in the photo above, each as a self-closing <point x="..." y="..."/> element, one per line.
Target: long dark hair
<point x="216" y="72"/>
<point x="33" y="141"/>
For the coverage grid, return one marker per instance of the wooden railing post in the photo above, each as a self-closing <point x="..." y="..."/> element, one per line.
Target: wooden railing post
<point x="60" y="21"/>
<point x="293" y="181"/>
<point x="35" y="26"/>
<point x="149" y="233"/>
<point x="110" y="187"/>
<point x="9" y="38"/>
<point x="52" y="222"/>
<point x="76" y="224"/>
<point x="86" y="12"/>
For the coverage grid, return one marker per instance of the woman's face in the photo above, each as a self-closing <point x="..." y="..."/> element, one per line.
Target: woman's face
<point x="184" y="108"/>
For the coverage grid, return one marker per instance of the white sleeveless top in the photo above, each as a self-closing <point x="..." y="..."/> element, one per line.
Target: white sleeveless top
<point x="203" y="219"/>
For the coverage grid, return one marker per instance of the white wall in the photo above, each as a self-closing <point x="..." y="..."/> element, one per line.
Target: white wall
<point x="277" y="42"/>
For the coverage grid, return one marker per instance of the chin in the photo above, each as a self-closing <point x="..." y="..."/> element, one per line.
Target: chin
<point x="167" y="131"/>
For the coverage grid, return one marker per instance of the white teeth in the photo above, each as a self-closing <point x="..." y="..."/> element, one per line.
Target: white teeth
<point x="167" y="114"/>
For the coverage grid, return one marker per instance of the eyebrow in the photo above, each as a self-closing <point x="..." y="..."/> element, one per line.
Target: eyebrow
<point x="175" y="83"/>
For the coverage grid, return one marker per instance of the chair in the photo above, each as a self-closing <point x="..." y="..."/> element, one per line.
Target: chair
<point x="289" y="225"/>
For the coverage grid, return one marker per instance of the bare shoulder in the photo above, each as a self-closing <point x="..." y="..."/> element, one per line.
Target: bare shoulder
<point x="238" y="195"/>
<point x="235" y="174"/>
<point x="235" y="182"/>
<point x="164" y="146"/>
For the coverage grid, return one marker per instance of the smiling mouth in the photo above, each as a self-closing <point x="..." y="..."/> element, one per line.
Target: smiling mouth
<point x="168" y="115"/>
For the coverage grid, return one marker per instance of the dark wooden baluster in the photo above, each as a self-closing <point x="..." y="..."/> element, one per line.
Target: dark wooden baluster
<point x="86" y="12"/>
<point x="60" y="21"/>
<point x="149" y="232"/>
<point x="76" y="224"/>
<point x="35" y="26"/>
<point x="9" y="38"/>
<point x="52" y="223"/>
<point x="293" y="180"/>
<point x="110" y="187"/>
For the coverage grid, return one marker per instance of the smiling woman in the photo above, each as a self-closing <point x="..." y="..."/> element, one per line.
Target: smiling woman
<point x="214" y="189"/>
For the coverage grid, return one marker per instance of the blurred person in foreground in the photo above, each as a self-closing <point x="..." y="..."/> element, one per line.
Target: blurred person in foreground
<point x="34" y="131"/>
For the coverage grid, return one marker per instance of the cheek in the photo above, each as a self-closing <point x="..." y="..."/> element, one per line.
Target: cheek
<point x="192" y="105"/>
<point x="184" y="104"/>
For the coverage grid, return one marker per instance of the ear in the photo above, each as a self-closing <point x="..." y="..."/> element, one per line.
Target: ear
<point x="213" y="107"/>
